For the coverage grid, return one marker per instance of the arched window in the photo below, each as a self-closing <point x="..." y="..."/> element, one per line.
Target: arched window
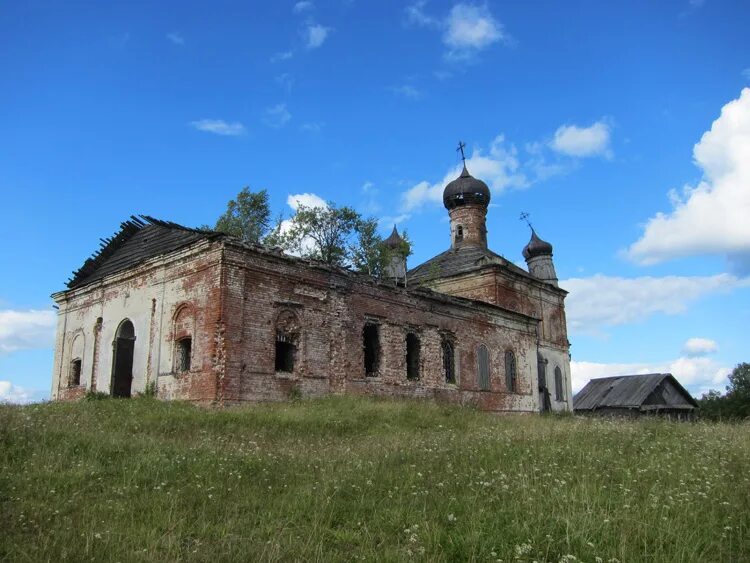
<point x="449" y="361"/>
<point x="459" y="233"/>
<point x="559" y="394"/>
<point x="122" y="362"/>
<point x="483" y="368"/>
<point x="510" y="371"/>
<point x="184" y="353"/>
<point x="287" y="338"/>
<point x="76" y="360"/>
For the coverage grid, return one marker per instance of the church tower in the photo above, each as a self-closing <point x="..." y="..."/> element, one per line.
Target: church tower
<point x="466" y="200"/>
<point x="538" y="256"/>
<point x="395" y="269"/>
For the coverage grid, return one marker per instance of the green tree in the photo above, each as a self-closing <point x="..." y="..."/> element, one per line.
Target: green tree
<point x="322" y="233"/>
<point x="369" y="254"/>
<point x="735" y="403"/>
<point x="738" y="391"/>
<point x="247" y="217"/>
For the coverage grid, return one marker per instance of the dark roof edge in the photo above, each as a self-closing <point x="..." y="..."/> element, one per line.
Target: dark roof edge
<point x="109" y="246"/>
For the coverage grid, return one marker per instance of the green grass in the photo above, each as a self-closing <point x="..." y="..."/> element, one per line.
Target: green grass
<point x="356" y="479"/>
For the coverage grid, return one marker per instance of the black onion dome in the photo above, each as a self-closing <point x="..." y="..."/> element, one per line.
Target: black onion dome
<point x="536" y="247"/>
<point x="464" y="190"/>
<point x="394" y="240"/>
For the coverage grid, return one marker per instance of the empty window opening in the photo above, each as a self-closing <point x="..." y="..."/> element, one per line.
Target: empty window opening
<point x="284" y="353"/>
<point x="75" y="373"/>
<point x="371" y="343"/>
<point x="449" y="361"/>
<point x="184" y="353"/>
<point x="459" y="233"/>
<point x="412" y="356"/>
<point x="559" y="395"/>
<point x="483" y="368"/>
<point x="510" y="371"/>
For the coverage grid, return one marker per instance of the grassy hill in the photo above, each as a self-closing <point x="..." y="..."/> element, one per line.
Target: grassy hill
<point x="356" y="479"/>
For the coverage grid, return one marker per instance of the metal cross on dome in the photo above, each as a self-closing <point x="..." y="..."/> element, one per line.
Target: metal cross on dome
<point x="525" y="217"/>
<point x="461" y="147"/>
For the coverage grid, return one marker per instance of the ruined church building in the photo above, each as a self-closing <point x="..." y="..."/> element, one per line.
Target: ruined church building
<point x="203" y="317"/>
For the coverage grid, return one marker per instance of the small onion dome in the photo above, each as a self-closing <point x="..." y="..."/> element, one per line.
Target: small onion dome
<point x="394" y="240"/>
<point x="465" y="190"/>
<point x="536" y="247"/>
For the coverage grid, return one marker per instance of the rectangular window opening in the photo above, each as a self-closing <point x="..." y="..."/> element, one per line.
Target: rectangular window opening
<point x="412" y="357"/>
<point x="185" y="348"/>
<point x="371" y="343"/>
<point x="449" y="362"/>
<point x="284" y="354"/>
<point x="75" y="373"/>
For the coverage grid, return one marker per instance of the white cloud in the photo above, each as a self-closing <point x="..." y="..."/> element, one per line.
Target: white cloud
<point x="467" y="29"/>
<point x="500" y="168"/>
<point x="470" y="27"/>
<point x="176" y="38"/>
<point x="10" y="393"/>
<point x="711" y="217"/>
<point x="219" y="127"/>
<point x="600" y="301"/>
<point x="302" y="6"/>
<point x="311" y="127"/>
<point x="407" y="92"/>
<point x="695" y="347"/>
<point x="577" y="141"/>
<point x="20" y="330"/>
<point x="277" y="116"/>
<point x="282" y="56"/>
<point x="306" y="200"/>
<point x="315" y="35"/>
<point x="698" y="375"/>
<point x="415" y="14"/>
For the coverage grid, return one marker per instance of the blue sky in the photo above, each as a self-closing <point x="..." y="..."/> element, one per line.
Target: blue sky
<point x="621" y="127"/>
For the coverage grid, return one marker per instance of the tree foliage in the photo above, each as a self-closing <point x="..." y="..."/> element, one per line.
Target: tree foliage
<point x="247" y="217"/>
<point x="322" y="233"/>
<point x="735" y="403"/>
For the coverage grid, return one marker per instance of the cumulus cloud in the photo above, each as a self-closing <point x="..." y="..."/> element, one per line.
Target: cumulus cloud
<point x="303" y="6"/>
<point x="315" y="35"/>
<point x="467" y="28"/>
<point x="407" y="91"/>
<point x="20" y="330"/>
<point x="176" y="38"/>
<point x="277" y="116"/>
<point x="219" y="127"/>
<point x="599" y="301"/>
<point x="14" y="394"/>
<point x="282" y="56"/>
<point x="712" y="216"/>
<point x="695" y="347"/>
<point x="577" y="141"/>
<point x="471" y="28"/>
<point x="306" y="200"/>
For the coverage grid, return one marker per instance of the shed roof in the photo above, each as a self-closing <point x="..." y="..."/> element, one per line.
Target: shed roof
<point x="624" y="391"/>
<point x="138" y="239"/>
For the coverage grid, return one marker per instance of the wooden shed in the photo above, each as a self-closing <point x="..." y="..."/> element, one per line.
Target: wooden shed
<point x="636" y="395"/>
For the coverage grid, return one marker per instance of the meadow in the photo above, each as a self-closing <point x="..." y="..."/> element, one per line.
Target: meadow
<point x="348" y="479"/>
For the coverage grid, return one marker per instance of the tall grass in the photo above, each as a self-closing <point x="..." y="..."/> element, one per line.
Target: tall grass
<point x="344" y="479"/>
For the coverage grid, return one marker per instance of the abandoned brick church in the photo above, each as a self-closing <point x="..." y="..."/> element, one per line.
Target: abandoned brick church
<point x="203" y="317"/>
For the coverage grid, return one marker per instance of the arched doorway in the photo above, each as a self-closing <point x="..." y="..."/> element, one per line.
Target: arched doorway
<point x="122" y="361"/>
